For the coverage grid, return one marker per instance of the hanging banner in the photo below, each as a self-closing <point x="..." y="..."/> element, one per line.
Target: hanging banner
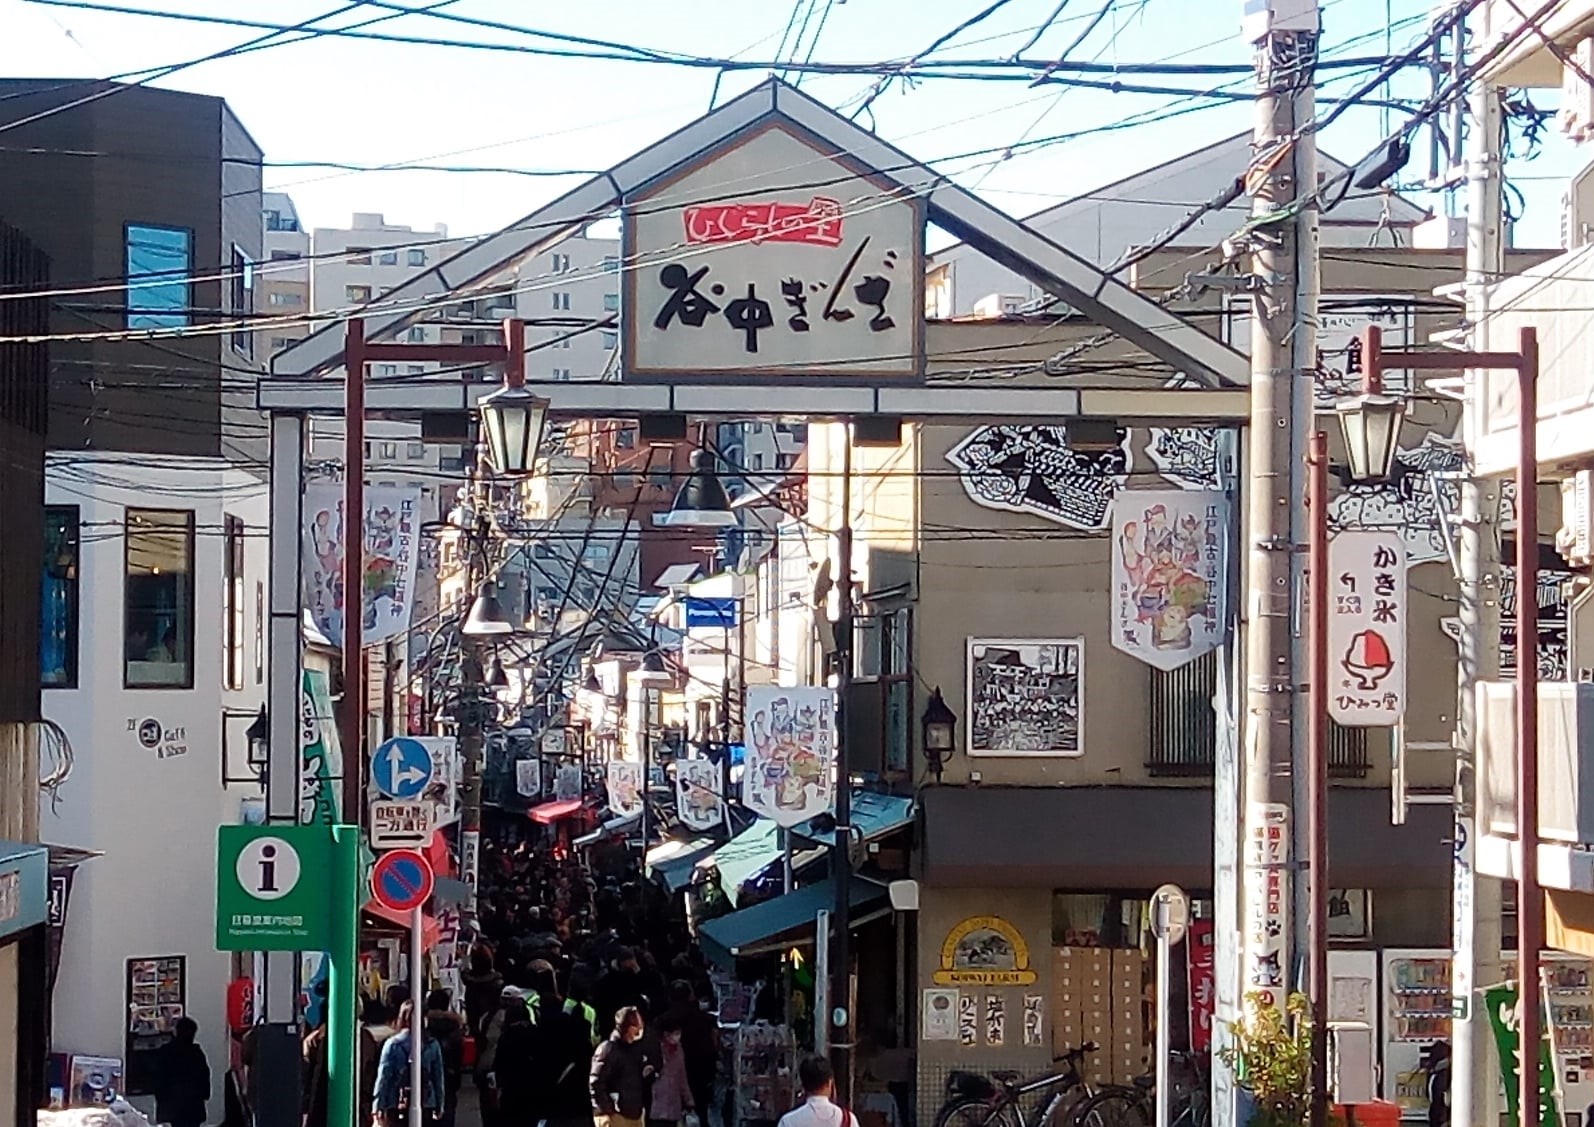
<point x="1267" y="920"/>
<point x="697" y="794"/>
<point x="1501" y="1003"/>
<point x="1201" y="953"/>
<point x="318" y="750"/>
<point x="392" y="540"/>
<point x="625" y="788"/>
<point x="443" y="791"/>
<point x="789" y="771"/>
<point x="1367" y="628"/>
<point x="528" y="777"/>
<point x="567" y="782"/>
<point x="1169" y="560"/>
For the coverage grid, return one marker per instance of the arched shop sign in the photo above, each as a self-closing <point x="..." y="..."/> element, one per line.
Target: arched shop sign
<point x="984" y="951"/>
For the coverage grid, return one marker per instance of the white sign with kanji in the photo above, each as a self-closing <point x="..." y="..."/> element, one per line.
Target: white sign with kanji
<point x="774" y="260"/>
<point x="402" y="824"/>
<point x="1367" y="628"/>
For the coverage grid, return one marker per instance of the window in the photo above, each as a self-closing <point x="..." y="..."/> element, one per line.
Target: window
<point x="359" y="256"/>
<point x="159" y="261"/>
<point x="414" y="369"/>
<point x="561" y="373"/>
<point x="757" y="460"/>
<point x="232" y="603"/>
<point x="280" y="298"/>
<point x="542" y="550"/>
<point x="285" y="256"/>
<point x="357" y="294"/>
<point x="561" y="263"/>
<point x="415" y="451"/>
<point x="260" y="632"/>
<point x="387" y="369"/>
<point x="417" y="334"/>
<point x="58" y="606"/>
<point x="417" y="258"/>
<point x="598" y="553"/>
<point x="565" y="343"/>
<point x="158" y="598"/>
<point x="611" y="303"/>
<point x="387" y="258"/>
<point x="611" y="340"/>
<point x="561" y="299"/>
<point x="785" y="461"/>
<point x="625" y="438"/>
<point x="279" y="343"/>
<point x="548" y="596"/>
<point x="469" y="336"/>
<point x="610" y="264"/>
<point x="387" y="451"/>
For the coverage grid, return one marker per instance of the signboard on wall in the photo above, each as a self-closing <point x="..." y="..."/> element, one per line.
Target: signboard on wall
<point x="984" y="951"/>
<point x="1367" y="628"/>
<point x="741" y="267"/>
<point x="1026" y="696"/>
<point x="157" y="997"/>
<point x="788" y="775"/>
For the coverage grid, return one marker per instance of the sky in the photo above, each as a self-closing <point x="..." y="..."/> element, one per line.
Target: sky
<point x="369" y="102"/>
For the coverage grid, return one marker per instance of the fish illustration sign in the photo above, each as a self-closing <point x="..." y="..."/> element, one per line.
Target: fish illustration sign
<point x="1367" y="628"/>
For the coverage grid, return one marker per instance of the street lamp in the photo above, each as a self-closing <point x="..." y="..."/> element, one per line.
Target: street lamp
<point x="486" y="618"/>
<point x="1370" y="425"/>
<point x="497" y="675"/>
<point x="939" y="724"/>
<point x="512" y="419"/>
<point x="701" y="502"/>
<point x="259" y="736"/>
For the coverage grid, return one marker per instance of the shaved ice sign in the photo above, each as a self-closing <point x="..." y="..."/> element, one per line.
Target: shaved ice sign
<point x="1367" y="628"/>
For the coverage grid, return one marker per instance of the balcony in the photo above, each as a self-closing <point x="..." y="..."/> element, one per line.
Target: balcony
<point x="1528" y="61"/>
<point x="1566" y="783"/>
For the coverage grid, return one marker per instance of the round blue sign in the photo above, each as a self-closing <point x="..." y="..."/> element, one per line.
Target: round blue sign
<point x="401" y="767"/>
<point x="401" y="880"/>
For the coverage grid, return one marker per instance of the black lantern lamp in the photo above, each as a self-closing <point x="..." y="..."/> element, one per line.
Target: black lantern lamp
<point x="497" y="676"/>
<point x="939" y="727"/>
<point x="487" y="618"/>
<point x="701" y="502"/>
<point x="259" y="737"/>
<point x="512" y="420"/>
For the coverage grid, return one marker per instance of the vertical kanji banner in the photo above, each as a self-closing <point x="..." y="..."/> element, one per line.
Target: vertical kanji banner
<point x="1200" y="953"/>
<point x="1169" y="561"/>
<point x="392" y="542"/>
<point x="1367" y="628"/>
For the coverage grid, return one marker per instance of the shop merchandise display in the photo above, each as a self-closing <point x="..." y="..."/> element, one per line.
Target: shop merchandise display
<point x="765" y="1071"/>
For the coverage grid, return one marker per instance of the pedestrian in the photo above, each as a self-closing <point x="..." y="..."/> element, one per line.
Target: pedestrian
<point x="622" y="986"/>
<point x="391" y="1103"/>
<point x="375" y="1029"/>
<point x="487" y="1042"/>
<point x="514" y="1076"/>
<point x="672" y="1092"/>
<point x="447" y="1028"/>
<point x="818" y="1108"/>
<point x="483" y="985"/>
<point x="563" y="1055"/>
<point x="621" y="1072"/>
<point x="1437" y="1063"/>
<point x="700" y="1041"/>
<point x="182" y="1084"/>
<point x="314" y="1078"/>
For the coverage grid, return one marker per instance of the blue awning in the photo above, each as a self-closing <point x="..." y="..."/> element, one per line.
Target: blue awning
<point x="744" y="855"/>
<point x="873" y="816"/>
<point x="672" y="863"/>
<point x="786" y="921"/>
<point x="24" y="886"/>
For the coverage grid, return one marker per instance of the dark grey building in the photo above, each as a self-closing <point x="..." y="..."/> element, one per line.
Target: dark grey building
<point x="147" y="202"/>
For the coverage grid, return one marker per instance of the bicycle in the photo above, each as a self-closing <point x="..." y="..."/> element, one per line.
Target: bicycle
<point x="974" y="1100"/>
<point x="1135" y="1106"/>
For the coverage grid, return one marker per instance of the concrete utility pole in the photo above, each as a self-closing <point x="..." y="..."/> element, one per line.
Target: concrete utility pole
<point x="1283" y="357"/>
<point x="1476" y="902"/>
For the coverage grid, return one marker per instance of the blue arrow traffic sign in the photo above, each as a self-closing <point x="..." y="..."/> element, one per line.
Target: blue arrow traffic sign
<point x="401" y="767"/>
<point x="402" y="880"/>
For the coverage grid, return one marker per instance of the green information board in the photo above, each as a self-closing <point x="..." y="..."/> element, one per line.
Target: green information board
<point x="273" y="888"/>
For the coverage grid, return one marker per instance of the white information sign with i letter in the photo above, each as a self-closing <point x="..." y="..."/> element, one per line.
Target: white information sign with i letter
<point x="1367" y="628"/>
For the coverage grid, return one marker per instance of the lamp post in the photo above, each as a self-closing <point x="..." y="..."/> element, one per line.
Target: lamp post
<point x="485" y="620"/>
<point x="259" y="736"/>
<point x="938" y="726"/>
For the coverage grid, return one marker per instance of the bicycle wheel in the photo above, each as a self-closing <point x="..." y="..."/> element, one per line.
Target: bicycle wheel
<point x="965" y="1112"/>
<point x="1114" y="1107"/>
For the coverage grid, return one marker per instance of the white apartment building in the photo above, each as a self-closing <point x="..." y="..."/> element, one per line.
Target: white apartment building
<point x="562" y="292"/>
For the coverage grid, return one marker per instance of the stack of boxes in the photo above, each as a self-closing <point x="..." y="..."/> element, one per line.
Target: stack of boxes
<point x="1099" y="995"/>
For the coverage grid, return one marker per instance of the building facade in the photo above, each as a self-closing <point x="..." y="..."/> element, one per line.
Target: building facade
<point x="154" y="596"/>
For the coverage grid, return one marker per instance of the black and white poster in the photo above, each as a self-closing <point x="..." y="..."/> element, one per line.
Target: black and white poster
<point x="1025" y="696"/>
<point x="1031" y="469"/>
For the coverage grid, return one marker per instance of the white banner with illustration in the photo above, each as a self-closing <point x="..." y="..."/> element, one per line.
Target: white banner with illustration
<point x="392" y="541"/>
<point x="697" y="794"/>
<point x="791" y="740"/>
<point x="625" y="788"/>
<point x="1169" y="559"/>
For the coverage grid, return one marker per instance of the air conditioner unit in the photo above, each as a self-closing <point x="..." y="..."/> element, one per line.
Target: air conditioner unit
<point x="1000" y="305"/>
<point x="1572" y="539"/>
<point x="1577" y="210"/>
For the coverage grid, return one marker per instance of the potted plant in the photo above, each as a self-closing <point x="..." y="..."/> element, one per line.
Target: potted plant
<point x="1272" y="1059"/>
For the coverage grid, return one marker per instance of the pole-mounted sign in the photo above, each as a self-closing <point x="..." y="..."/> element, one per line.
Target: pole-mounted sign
<point x="1367" y="628"/>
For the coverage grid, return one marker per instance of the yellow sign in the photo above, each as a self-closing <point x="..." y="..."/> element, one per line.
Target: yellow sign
<point x="984" y="951"/>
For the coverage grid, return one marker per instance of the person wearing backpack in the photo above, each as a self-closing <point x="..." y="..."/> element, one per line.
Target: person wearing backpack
<point x="818" y="1108"/>
<point x="391" y="1103"/>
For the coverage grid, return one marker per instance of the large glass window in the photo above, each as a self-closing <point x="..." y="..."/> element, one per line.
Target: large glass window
<point x="232" y="624"/>
<point x="160" y="261"/>
<point x="159" y="600"/>
<point x="58" y="607"/>
<point x="243" y="300"/>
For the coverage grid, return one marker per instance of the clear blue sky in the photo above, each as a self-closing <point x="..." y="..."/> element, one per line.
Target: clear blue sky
<point x="372" y="103"/>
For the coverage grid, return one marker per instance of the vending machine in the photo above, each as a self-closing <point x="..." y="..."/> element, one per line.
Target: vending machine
<point x="1416" y="1015"/>
<point x="1570" y="1022"/>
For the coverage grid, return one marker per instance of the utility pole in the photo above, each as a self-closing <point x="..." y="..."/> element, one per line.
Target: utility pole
<point x="1282" y="178"/>
<point x="841" y="856"/>
<point x="1476" y="902"/>
<point x="353" y="729"/>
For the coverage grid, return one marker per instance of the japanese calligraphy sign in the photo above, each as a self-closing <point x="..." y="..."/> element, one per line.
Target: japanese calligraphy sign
<point x="1267" y="906"/>
<point x="743" y="268"/>
<point x="1367" y="628"/>
<point x="401" y="824"/>
<point x="1169" y="559"/>
<point x="392" y="540"/>
<point x="1200" y="943"/>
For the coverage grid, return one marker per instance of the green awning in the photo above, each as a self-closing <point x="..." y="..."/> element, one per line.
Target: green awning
<point x="744" y="855"/>
<point x="785" y="921"/>
<point x="874" y="816"/>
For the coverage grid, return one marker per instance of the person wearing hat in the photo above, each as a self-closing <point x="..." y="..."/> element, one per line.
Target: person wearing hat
<point x="487" y="1050"/>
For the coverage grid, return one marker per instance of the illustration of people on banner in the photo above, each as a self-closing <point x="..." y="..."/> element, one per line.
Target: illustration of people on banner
<point x="625" y="788"/>
<point x="392" y="542"/>
<point x="791" y="739"/>
<point x="1168" y="563"/>
<point x="697" y="793"/>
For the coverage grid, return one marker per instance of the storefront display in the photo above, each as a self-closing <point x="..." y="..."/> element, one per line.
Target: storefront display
<point x="1099" y="995"/>
<point x="765" y="1072"/>
<point x="1416" y="1014"/>
<point x="1571" y="1023"/>
<point x="157" y="990"/>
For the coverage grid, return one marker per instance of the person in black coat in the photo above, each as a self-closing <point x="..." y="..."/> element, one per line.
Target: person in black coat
<point x="564" y="1055"/>
<point x="513" y="1072"/>
<point x="182" y="1078"/>
<point x="621" y="1074"/>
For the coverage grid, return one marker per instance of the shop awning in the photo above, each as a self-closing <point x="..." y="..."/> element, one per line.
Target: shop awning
<point x="786" y="920"/>
<point x="550" y="812"/>
<point x="1093" y="838"/>
<point x="27" y="866"/>
<point x="745" y="854"/>
<point x="614" y="827"/>
<point x="672" y="863"/>
<point x="873" y="815"/>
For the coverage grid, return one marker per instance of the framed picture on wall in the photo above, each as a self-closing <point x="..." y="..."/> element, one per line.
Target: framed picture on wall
<point x="1349" y="913"/>
<point x="1025" y="696"/>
